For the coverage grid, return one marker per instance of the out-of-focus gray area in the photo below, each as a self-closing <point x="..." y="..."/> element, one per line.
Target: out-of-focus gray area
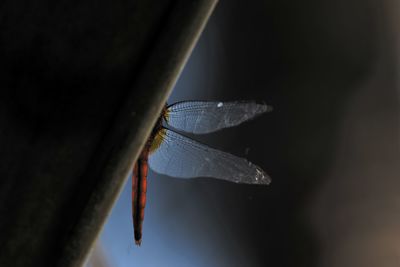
<point x="331" y="145"/>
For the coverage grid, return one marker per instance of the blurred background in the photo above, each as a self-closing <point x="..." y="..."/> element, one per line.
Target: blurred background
<point x="331" y="145"/>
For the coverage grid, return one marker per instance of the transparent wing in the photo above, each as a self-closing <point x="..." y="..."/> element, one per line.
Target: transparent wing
<point x="200" y="117"/>
<point x="179" y="156"/>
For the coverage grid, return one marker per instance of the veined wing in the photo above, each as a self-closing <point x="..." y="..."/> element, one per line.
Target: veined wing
<point x="178" y="156"/>
<point x="200" y="117"/>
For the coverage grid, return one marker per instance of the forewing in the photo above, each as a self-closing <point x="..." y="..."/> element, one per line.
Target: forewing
<point x="179" y="156"/>
<point x="200" y="117"/>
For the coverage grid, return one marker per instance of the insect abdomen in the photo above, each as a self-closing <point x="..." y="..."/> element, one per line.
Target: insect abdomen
<point x="139" y="189"/>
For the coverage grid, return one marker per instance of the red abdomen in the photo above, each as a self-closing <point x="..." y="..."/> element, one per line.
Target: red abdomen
<point x="139" y="188"/>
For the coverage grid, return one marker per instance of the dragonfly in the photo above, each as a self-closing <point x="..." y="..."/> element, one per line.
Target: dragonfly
<point x="169" y="152"/>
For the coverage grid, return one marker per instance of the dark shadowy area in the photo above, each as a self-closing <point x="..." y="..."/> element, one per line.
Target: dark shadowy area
<point x="81" y="84"/>
<point x="65" y="68"/>
<point x="306" y="59"/>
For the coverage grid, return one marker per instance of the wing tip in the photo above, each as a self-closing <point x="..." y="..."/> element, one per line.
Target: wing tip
<point x="265" y="107"/>
<point x="262" y="178"/>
